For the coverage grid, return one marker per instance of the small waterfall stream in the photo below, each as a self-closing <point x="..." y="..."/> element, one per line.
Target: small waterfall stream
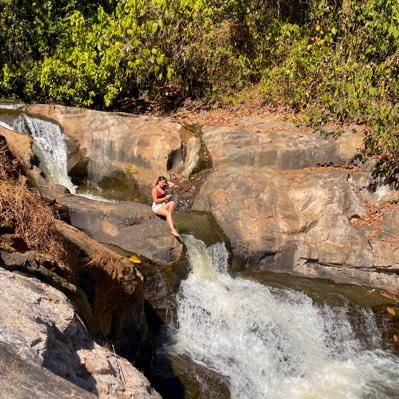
<point x="51" y="145"/>
<point x="6" y="125"/>
<point x="275" y="343"/>
<point x="48" y="139"/>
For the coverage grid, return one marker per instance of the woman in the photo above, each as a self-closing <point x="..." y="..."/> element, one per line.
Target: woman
<point x="160" y="204"/>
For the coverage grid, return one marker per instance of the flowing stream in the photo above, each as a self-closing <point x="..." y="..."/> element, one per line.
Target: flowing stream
<point x="276" y="343"/>
<point x="51" y="146"/>
<point x="48" y="139"/>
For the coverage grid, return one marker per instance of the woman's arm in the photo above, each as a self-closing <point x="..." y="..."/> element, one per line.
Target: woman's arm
<point x="171" y="185"/>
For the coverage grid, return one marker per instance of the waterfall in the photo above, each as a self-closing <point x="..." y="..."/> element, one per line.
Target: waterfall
<point x="12" y="106"/>
<point x="6" y="125"/>
<point x="96" y="198"/>
<point x="274" y="343"/>
<point x="51" y="147"/>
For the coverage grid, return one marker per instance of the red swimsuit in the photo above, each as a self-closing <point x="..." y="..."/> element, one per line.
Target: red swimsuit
<point x="160" y="195"/>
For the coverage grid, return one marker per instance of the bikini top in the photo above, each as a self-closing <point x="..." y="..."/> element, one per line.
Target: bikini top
<point x="160" y="195"/>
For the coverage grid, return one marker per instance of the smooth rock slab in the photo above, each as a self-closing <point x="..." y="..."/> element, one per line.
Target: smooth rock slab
<point x="113" y="143"/>
<point x="299" y="222"/>
<point x="126" y="224"/>
<point x="237" y="147"/>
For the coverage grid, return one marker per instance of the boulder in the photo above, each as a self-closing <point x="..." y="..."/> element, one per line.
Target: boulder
<point x="237" y="147"/>
<point x="299" y="222"/>
<point x="21" y="379"/>
<point x="112" y="301"/>
<point x="44" y="339"/>
<point x="20" y="145"/>
<point x="23" y="151"/>
<point x="110" y="145"/>
<point x="130" y="226"/>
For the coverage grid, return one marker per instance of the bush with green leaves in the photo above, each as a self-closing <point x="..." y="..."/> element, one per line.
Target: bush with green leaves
<point x="328" y="60"/>
<point x="341" y="66"/>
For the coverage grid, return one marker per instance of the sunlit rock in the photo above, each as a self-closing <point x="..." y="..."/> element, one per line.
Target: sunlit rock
<point x="44" y="339"/>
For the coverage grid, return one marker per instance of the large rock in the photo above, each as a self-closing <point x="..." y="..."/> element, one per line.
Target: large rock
<point x="43" y="339"/>
<point x="112" y="145"/>
<point x="21" y="379"/>
<point x="24" y="158"/>
<point x="113" y="301"/>
<point x="302" y="222"/>
<point x="239" y="147"/>
<point x="128" y="225"/>
<point x="20" y="145"/>
<point x="299" y="222"/>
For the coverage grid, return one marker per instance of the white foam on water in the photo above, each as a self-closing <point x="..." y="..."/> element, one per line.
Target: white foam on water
<point x="12" y="106"/>
<point x="6" y="125"/>
<point x="51" y="147"/>
<point x="276" y="343"/>
<point x="95" y="197"/>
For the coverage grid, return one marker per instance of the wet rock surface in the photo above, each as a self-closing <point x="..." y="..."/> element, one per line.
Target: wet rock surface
<point x="178" y="377"/>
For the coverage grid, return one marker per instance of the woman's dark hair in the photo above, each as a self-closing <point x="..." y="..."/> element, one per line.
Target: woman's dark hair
<point x="161" y="178"/>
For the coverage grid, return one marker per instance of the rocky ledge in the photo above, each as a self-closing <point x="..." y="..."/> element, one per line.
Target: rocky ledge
<point x="289" y="199"/>
<point x="48" y="353"/>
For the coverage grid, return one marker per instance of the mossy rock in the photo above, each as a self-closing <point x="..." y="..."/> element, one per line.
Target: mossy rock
<point x="202" y="225"/>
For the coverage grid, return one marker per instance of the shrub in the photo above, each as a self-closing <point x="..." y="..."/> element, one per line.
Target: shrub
<point x="23" y="215"/>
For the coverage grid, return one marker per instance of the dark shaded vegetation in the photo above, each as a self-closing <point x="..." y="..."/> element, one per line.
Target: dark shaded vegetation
<point x="328" y="60"/>
<point x="26" y="222"/>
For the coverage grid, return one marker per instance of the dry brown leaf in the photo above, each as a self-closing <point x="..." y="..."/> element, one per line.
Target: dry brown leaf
<point x="391" y="311"/>
<point x="384" y="294"/>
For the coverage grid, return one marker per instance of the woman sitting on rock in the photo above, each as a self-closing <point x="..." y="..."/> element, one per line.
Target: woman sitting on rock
<point x="161" y="204"/>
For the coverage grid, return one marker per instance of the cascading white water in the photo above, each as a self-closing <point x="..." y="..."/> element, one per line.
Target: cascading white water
<point x="274" y="343"/>
<point x="96" y="198"/>
<point x="51" y="145"/>
<point x="12" y="106"/>
<point x="6" y="125"/>
<point x="50" y="148"/>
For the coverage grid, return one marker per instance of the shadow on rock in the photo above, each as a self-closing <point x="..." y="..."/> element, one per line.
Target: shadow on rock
<point x="61" y="358"/>
<point x="22" y="379"/>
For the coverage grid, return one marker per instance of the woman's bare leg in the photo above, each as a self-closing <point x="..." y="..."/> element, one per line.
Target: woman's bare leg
<point x="165" y="212"/>
<point x="170" y="206"/>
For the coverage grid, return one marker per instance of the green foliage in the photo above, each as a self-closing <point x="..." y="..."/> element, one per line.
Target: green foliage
<point x="328" y="60"/>
<point x="341" y="69"/>
<point x="104" y="56"/>
<point x="30" y="31"/>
